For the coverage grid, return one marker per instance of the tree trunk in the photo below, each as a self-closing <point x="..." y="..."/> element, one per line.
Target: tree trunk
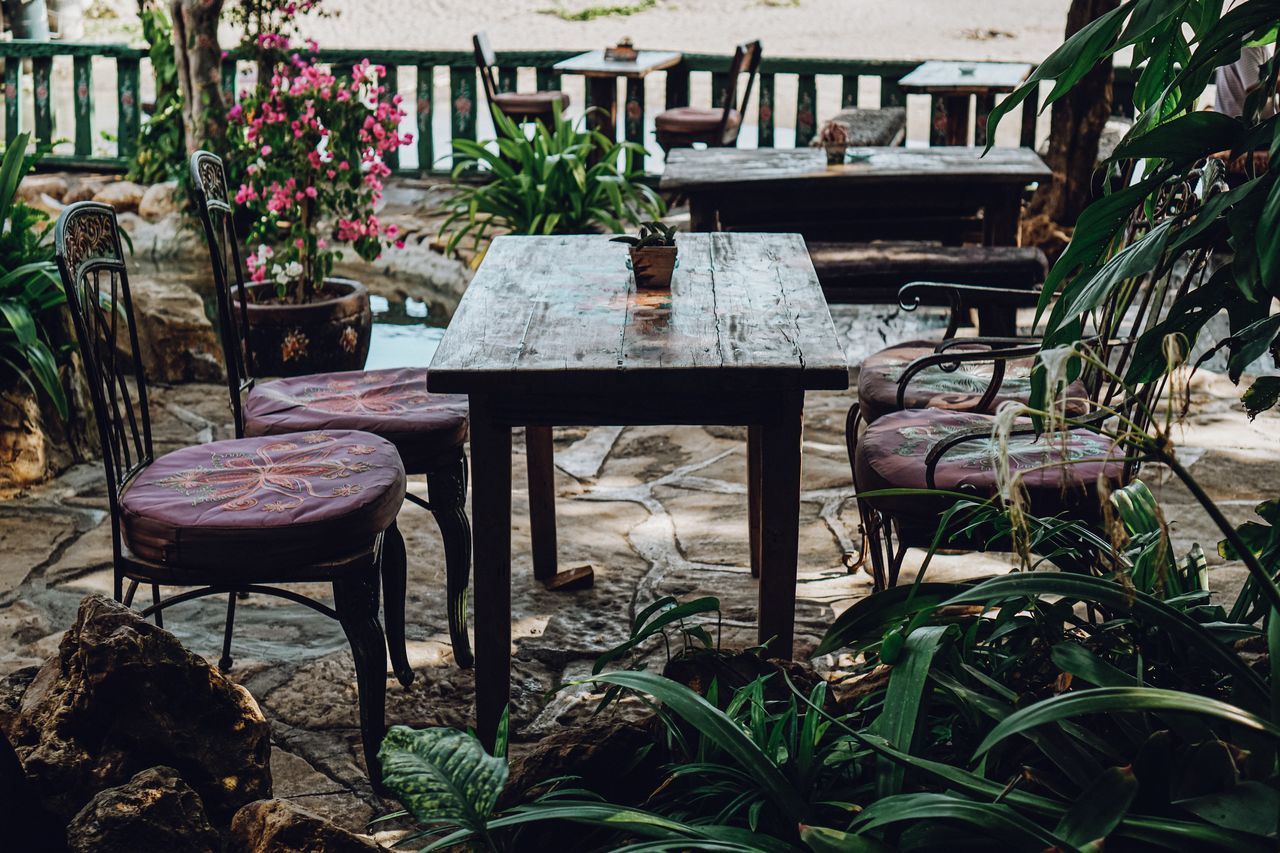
<point x="199" y="59"/>
<point x="1076" y="125"/>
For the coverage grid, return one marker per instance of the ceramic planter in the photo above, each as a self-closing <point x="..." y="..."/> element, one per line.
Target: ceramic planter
<point x="329" y="334"/>
<point x="653" y="266"/>
<point x="835" y="154"/>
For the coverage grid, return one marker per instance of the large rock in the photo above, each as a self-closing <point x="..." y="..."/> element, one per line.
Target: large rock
<point x="177" y="340"/>
<point x="154" y="812"/>
<point x="617" y="758"/>
<point x="122" y="696"/>
<point x="124" y="196"/>
<point x="281" y="826"/>
<point x="159" y="201"/>
<point x="35" y="186"/>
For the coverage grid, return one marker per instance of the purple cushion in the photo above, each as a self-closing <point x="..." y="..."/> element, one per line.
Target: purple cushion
<point x="394" y="404"/>
<point x="278" y="502"/>
<point x="891" y="453"/>
<point x="936" y="388"/>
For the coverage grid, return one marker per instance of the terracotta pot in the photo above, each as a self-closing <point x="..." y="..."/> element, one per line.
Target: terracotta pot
<point x="653" y="266"/>
<point x="329" y="334"/>
<point x="835" y="154"/>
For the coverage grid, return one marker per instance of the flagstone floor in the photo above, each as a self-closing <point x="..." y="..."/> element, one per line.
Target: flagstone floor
<point x="656" y="511"/>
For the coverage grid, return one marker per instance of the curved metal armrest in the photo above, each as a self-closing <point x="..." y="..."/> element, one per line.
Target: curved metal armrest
<point x="991" y="342"/>
<point x="911" y="293"/>
<point x="950" y="361"/>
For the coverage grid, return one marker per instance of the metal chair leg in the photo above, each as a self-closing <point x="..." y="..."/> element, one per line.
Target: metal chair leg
<point x="394" y="591"/>
<point x="447" y="491"/>
<point x="356" y="601"/>
<point x="155" y="599"/>
<point x="225" y="662"/>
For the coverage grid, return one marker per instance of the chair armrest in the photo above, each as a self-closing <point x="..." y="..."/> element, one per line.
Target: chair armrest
<point x="961" y="296"/>
<point x="950" y="361"/>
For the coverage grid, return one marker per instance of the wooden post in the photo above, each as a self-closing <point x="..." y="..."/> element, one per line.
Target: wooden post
<point x="425" y="108"/>
<point x="754" y="460"/>
<point x="602" y="100"/>
<point x="633" y="110"/>
<point x="678" y="86"/>
<point x="849" y="91"/>
<point x="462" y="108"/>
<point x="719" y="86"/>
<point x="548" y="80"/>
<point x="780" y="441"/>
<point x="41" y="76"/>
<point x="82" y="77"/>
<point x="986" y="103"/>
<point x="127" y="99"/>
<point x="540" y="460"/>
<point x="806" y="107"/>
<point x="506" y="80"/>
<point x="891" y="94"/>
<point x="766" y="111"/>
<point x="1030" y="107"/>
<point x="391" y="86"/>
<point x="12" y="97"/>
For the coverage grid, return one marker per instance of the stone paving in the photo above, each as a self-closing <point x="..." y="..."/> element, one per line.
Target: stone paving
<point x="657" y="511"/>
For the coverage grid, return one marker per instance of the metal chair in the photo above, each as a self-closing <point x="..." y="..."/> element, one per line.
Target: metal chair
<point x="519" y="106"/>
<point x="237" y="515"/>
<point x="681" y="127"/>
<point x="429" y="430"/>
<point x="922" y="406"/>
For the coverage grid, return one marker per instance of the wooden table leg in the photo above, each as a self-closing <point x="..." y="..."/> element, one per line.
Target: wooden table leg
<point x="602" y="98"/>
<point x="753" y="496"/>
<point x="540" y="456"/>
<point x="780" y="523"/>
<point x="491" y="519"/>
<point x="703" y="213"/>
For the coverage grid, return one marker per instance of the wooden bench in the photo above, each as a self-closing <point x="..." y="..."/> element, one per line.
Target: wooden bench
<point x="872" y="273"/>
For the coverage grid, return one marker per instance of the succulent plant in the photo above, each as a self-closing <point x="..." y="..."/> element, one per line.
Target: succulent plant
<point x="833" y="133"/>
<point x="652" y="235"/>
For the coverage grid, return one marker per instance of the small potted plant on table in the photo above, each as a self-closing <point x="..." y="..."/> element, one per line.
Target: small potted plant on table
<point x="312" y="149"/>
<point x="653" y="255"/>
<point x="834" y="139"/>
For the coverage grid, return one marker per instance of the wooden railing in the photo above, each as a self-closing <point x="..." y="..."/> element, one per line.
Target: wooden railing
<point x="465" y="96"/>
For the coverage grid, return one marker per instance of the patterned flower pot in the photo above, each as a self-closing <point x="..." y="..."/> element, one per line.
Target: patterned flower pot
<point x="330" y="334"/>
<point x="653" y="267"/>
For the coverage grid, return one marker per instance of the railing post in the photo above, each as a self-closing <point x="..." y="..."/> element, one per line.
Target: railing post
<point x="849" y="91"/>
<point x="12" y="97"/>
<point x="391" y="87"/>
<point x="678" y="86"/>
<point x="937" y="120"/>
<point x="1030" y="107"/>
<point x="985" y="104"/>
<point x="506" y="79"/>
<point x="41" y="76"/>
<point x="548" y="80"/>
<point x="462" y="107"/>
<point x="129" y="118"/>
<point x="719" y="86"/>
<point x="426" y="105"/>
<point x="82" y="77"/>
<point x="806" y="106"/>
<point x="633" y="110"/>
<point x="765" y="139"/>
<point x="891" y="94"/>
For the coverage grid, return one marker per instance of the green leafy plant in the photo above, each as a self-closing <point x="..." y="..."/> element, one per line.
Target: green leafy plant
<point x="162" y="147"/>
<point x="30" y="290"/>
<point x="564" y="179"/>
<point x="590" y="13"/>
<point x="652" y="235"/>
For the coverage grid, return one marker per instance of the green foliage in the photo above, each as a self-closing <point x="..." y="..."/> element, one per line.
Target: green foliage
<point x="563" y="180"/>
<point x="30" y="289"/>
<point x="590" y="13"/>
<point x="652" y="234"/>
<point x="162" y="146"/>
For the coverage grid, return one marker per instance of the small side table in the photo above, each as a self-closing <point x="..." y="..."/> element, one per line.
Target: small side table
<point x="602" y="86"/>
<point x="951" y="83"/>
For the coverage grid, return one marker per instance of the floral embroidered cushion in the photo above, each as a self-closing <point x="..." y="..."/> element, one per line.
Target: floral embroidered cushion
<point x="394" y="404"/>
<point x="892" y="451"/>
<point x="273" y="501"/>
<point x="960" y="389"/>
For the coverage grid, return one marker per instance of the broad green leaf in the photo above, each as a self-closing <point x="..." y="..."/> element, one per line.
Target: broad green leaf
<point x="1082" y="663"/>
<point x="1185" y="139"/>
<point x="1097" y="812"/>
<point x="1248" y="807"/>
<point x="1263" y="394"/>
<point x="869" y="617"/>
<point x="997" y="821"/>
<point x="908" y="692"/>
<point x="820" y="839"/>
<point x="442" y="775"/>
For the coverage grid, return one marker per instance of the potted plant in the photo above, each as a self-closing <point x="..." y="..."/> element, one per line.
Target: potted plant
<point x="834" y="139"/>
<point x="312" y="149"/>
<point x="653" y="255"/>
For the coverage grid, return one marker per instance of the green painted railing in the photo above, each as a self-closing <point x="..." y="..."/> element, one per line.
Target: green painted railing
<point x="464" y="93"/>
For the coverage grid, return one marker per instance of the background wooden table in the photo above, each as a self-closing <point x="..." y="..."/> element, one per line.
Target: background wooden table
<point x="952" y="83"/>
<point x="602" y="84"/>
<point x="551" y="331"/>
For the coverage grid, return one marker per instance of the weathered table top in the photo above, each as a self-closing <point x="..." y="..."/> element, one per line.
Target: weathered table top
<point x="593" y="64"/>
<point x="886" y="126"/>
<point x="723" y="168"/>
<point x="965" y="77"/>
<point x="561" y="315"/>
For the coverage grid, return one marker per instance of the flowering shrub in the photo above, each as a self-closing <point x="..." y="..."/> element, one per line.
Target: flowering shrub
<point x="312" y="147"/>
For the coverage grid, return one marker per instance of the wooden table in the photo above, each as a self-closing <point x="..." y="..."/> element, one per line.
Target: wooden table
<point x="894" y="193"/>
<point x="951" y="83"/>
<point x="551" y="331"/>
<point x="602" y="82"/>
